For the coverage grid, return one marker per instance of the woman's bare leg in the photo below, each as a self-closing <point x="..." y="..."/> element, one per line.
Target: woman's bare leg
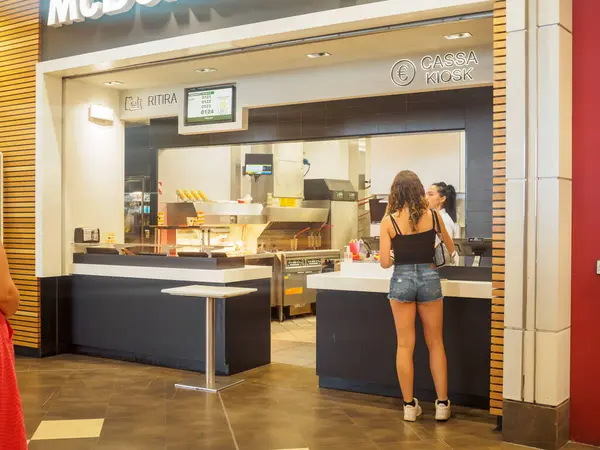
<point x="404" y="318"/>
<point x="432" y="316"/>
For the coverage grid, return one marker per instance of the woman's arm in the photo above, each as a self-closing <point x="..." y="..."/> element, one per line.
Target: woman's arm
<point x="9" y="295"/>
<point x="445" y="236"/>
<point x="385" y="244"/>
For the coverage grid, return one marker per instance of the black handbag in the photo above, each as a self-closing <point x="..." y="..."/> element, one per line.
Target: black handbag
<point x="441" y="256"/>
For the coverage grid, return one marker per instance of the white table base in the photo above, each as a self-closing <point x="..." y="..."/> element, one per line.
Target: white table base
<point x="210" y="382"/>
<point x="200" y="384"/>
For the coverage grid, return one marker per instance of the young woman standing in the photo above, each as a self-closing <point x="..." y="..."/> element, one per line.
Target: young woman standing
<point x="12" y="428"/>
<point x="442" y="198"/>
<point x="409" y="231"/>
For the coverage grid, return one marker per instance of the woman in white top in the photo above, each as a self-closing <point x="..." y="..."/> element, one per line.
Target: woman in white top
<point x="442" y="198"/>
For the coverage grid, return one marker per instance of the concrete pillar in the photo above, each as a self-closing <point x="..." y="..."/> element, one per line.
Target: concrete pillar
<point x="538" y="213"/>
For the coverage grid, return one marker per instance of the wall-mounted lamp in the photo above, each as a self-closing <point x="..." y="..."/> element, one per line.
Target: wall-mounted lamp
<point x="101" y="114"/>
<point x="362" y="145"/>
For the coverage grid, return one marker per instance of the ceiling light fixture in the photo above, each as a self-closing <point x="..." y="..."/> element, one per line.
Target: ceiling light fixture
<point x="451" y="37"/>
<point x="318" y="55"/>
<point x="113" y="83"/>
<point x="206" y="70"/>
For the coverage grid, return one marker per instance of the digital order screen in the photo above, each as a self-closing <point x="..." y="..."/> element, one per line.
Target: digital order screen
<point x="210" y="105"/>
<point x="259" y="169"/>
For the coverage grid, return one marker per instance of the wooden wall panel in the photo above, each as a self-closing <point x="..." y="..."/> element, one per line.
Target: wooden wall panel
<point x="19" y="53"/>
<point x="499" y="207"/>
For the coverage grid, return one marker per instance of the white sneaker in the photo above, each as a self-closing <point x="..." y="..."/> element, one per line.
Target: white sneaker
<point x="412" y="412"/>
<point x="442" y="412"/>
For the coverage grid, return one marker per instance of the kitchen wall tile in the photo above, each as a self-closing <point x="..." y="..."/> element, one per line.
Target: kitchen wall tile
<point x="392" y="122"/>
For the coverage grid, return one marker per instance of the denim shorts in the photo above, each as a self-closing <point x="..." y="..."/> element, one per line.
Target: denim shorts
<point x="415" y="283"/>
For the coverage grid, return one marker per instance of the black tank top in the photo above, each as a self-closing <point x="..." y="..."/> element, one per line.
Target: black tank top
<point x="418" y="248"/>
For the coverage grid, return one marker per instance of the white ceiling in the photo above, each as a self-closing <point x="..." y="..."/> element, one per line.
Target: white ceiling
<point x="409" y="41"/>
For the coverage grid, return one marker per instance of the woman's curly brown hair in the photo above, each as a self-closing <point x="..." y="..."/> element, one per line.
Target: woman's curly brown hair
<point x="408" y="191"/>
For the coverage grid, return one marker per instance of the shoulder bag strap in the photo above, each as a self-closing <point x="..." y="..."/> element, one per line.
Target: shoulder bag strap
<point x="436" y="223"/>
<point x="396" y="227"/>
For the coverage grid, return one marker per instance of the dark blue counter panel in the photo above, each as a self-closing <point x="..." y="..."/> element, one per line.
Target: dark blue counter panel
<point x="356" y="347"/>
<point x="130" y="319"/>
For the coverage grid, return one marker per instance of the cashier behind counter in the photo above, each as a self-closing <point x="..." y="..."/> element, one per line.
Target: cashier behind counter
<point x="473" y="252"/>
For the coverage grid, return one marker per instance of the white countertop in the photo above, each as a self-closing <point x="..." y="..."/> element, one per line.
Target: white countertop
<point x="223" y="276"/>
<point x="363" y="277"/>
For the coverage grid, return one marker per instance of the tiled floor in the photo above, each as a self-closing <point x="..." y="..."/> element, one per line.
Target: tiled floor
<point x="294" y="342"/>
<point x="78" y="403"/>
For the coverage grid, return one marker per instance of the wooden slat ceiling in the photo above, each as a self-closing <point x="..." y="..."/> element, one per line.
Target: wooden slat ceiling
<point x="499" y="208"/>
<point x="19" y="53"/>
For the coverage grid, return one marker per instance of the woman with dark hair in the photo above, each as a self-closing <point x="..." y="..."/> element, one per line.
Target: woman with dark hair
<point x="442" y="198"/>
<point x="12" y="428"/>
<point x="410" y="230"/>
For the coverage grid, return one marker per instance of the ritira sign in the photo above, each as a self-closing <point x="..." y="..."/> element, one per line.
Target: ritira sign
<point x="65" y="12"/>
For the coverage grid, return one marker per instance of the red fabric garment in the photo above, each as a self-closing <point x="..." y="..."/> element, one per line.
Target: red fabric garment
<point x="12" y="427"/>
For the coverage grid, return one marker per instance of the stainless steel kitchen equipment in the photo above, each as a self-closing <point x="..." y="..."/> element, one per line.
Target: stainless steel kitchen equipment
<point x="260" y="229"/>
<point x="213" y="213"/>
<point x="291" y="296"/>
<point x="340" y="198"/>
<point x="138" y="205"/>
<point x="286" y="179"/>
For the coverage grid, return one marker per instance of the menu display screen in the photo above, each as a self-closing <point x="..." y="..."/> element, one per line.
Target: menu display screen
<point x="259" y="169"/>
<point x="258" y="164"/>
<point x="207" y="105"/>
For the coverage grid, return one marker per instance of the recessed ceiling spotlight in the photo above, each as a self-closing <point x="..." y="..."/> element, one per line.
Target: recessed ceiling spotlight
<point x="206" y="70"/>
<point x="113" y="83"/>
<point x="318" y="55"/>
<point x="458" y="36"/>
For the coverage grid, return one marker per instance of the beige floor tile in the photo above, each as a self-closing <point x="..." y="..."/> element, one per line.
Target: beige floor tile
<point x="68" y="429"/>
<point x="303" y="349"/>
<point x="277" y="327"/>
<point x="303" y="323"/>
<point x="281" y="344"/>
<point x="283" y="358"/>
<point x="294" y="343"/>
<point x="305" y="336"/>
<point x="287" y="337"/>
<point x="290" y="325"/>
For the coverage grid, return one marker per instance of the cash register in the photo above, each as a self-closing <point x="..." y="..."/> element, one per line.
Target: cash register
<point x="474" y="247"/>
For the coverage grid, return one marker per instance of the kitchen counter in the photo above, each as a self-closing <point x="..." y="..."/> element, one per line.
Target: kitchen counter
<point x="370" y="277"/>
<point x="118" y="311"/>
<point x="356" y="336"/>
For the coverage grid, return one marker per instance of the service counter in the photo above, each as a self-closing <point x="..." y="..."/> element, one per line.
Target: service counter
<point x="118" y="311"/>
<point x="356" y="338"/>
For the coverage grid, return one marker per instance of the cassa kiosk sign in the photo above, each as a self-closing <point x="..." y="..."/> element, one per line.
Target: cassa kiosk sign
<point x="457" y="67"/>
<point x="65" y="12"/>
